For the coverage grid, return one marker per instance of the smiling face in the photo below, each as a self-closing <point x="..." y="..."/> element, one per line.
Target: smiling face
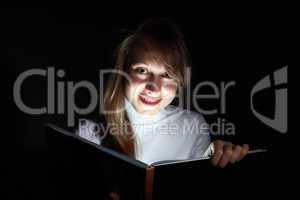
<point x="151" y="88"/>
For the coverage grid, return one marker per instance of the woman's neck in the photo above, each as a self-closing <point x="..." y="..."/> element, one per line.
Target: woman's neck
<point x="136" y="117"/>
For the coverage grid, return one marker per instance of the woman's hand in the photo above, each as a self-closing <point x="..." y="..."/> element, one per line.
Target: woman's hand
<point x="225" y="152"/>
<point x="113" y="196"/>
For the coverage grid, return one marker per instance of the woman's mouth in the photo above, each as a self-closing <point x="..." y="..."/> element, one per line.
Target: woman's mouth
<point x="149" y="100"/>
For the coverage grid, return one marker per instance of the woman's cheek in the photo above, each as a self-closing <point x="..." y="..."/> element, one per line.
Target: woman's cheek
<point x="135" y="87"/>
<point x="169" y="92"/>
<point x="170" y="88"/>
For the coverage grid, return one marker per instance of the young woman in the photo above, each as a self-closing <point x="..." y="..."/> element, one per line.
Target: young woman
<point x="150" y="71"/>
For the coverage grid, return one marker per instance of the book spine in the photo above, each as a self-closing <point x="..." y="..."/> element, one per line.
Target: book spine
<point x="149" y="182"/>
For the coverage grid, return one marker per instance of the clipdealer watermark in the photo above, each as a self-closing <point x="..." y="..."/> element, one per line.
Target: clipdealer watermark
<point x="57" y="89"/>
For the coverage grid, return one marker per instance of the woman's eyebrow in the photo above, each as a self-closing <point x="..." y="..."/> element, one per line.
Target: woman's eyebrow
<point x="140" y="64"/>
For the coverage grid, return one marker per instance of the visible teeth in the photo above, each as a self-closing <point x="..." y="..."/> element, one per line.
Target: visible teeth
<point x="149" y="99"/>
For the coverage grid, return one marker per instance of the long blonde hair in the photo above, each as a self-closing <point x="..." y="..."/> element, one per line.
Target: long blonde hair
<point x="155" y="40"/>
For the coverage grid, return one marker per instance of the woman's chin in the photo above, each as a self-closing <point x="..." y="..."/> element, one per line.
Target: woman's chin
<point x="148" y="110"/>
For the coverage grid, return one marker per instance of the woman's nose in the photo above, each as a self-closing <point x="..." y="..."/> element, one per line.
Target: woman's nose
<point x="154" y="84"/>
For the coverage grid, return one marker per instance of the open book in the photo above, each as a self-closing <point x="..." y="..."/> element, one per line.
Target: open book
<point x="77" y="163"/>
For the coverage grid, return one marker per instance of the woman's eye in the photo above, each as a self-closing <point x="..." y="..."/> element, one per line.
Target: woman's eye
<point x="166" y="75"/>
<point x="141" y="70"/>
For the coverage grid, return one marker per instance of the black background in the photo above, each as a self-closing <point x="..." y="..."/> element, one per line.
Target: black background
<point x="242" y="45"/>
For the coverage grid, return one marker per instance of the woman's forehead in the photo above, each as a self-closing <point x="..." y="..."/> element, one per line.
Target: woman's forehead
<point x="153" y="56"/>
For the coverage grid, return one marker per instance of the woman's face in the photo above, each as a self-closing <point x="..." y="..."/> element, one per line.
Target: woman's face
<point x="151" y="88"/>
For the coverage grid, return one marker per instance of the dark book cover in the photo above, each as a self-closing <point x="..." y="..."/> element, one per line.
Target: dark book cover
<point x="82" y="169"/>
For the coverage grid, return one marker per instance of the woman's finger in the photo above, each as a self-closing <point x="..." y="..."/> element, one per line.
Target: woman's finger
<point x="236" y="153"/>
<point x="244" y="152"/>
<point x="218" y="146"/>
<point x="227" y="153"/>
